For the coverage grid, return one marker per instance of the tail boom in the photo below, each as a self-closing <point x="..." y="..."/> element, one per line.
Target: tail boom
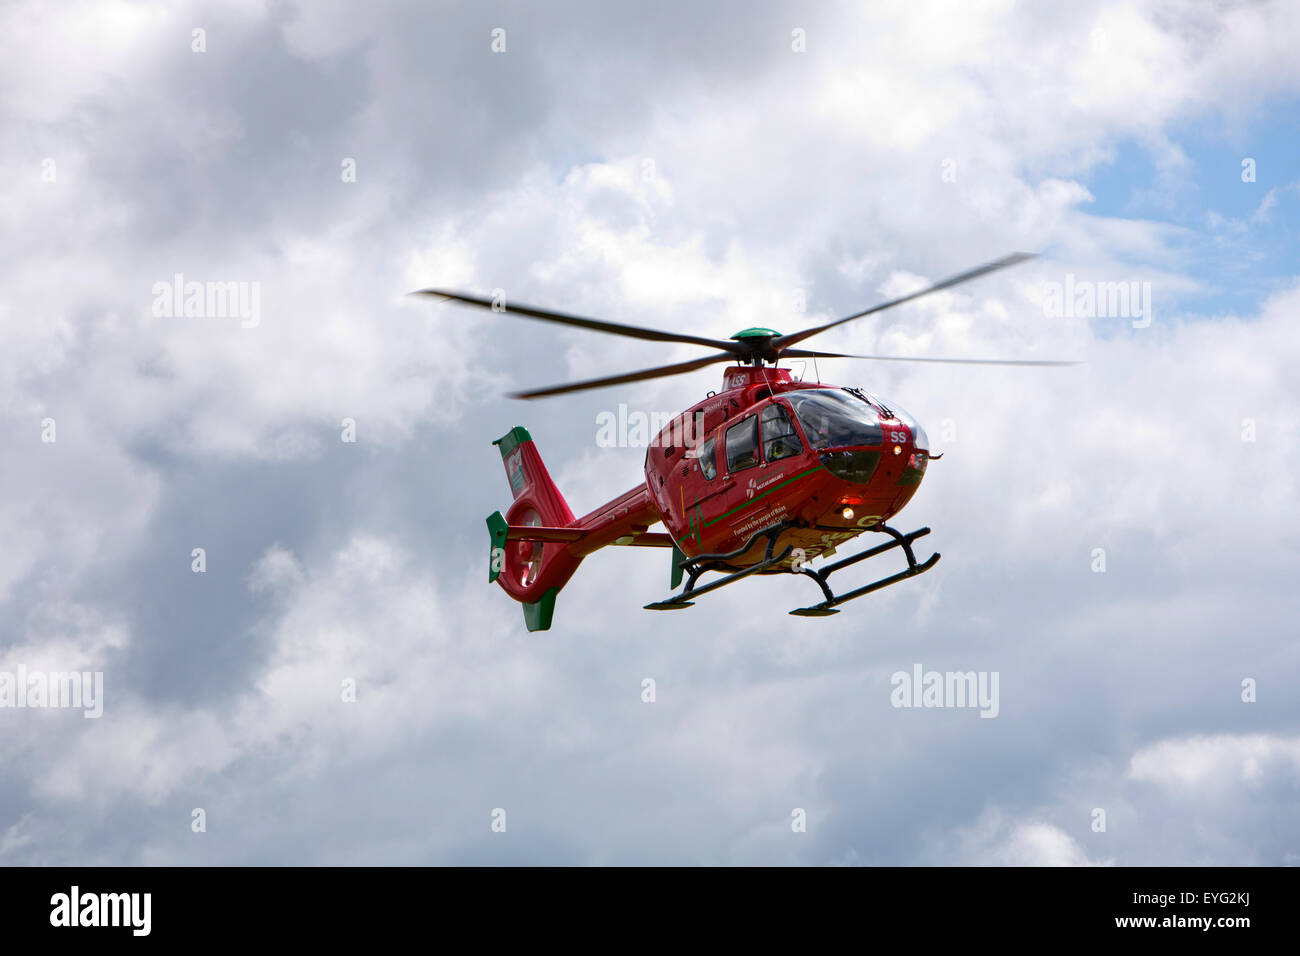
<point x="537" y="544"/>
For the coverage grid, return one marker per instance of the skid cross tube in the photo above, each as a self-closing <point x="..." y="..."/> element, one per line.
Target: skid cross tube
<point x="903" y="541"/>
<point x="710" y="562"/>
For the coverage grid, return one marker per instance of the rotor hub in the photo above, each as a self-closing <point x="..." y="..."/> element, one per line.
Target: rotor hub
<point x="756" y="345"/>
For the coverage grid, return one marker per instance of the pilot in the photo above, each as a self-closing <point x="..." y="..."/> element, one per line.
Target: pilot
<point x="822" y="431"/>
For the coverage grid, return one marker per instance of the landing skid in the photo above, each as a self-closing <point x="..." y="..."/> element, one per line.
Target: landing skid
<point x="832" y="601"/>
<point x="696" y="566"/>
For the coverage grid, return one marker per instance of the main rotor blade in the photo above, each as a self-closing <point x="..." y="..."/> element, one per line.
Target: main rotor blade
<point x="1011" y="260"/>
<point x="659" y="372"/>
<point x="803" y="353"/>
<point x="595" y="325"/>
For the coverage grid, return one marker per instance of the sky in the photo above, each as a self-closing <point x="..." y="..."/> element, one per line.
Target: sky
<point x="340" y="684"/>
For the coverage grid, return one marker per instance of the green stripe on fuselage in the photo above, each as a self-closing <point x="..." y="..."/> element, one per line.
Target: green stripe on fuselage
<point x="759" y="497"/>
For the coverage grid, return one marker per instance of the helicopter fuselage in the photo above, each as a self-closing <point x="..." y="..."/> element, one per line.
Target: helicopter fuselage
<point x="824" y="463"/>
<point x="766" y="450"/>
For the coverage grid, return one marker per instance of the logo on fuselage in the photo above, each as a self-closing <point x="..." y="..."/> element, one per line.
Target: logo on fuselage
<point x="754" y="486"/>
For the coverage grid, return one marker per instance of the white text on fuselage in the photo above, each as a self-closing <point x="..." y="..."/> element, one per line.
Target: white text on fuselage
<point x="761" y="521"/>
<point x="755" y="485"/>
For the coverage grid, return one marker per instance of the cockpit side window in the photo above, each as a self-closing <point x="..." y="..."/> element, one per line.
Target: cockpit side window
<point x="708" y="460"/>
<point x="742" y="445"/>
<point x="779" y="437"/>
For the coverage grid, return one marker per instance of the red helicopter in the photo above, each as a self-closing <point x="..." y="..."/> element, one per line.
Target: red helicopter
<point x="760" y="477"/>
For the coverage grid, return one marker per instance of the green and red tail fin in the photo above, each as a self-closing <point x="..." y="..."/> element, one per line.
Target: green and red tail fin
<point x="532" y="572"/>
<point x="528" y="475"/>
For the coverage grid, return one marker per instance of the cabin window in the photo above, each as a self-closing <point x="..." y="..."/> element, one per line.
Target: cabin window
<point x="779" y="437"/>
<point x="742" y="445"/>
<point x="708" y="460"/>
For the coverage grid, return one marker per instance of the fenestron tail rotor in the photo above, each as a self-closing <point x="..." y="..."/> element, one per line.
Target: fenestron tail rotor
<point x="754" y="346"/>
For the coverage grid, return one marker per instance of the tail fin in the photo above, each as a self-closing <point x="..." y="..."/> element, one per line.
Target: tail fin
<point x="531" y="572"/>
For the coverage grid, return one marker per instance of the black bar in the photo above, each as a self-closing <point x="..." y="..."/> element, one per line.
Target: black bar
<point x="913" y="908"/>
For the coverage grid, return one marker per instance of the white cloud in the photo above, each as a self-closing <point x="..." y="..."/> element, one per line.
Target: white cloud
<point x="998" y="840"/>
<point x="1218" y="762"/>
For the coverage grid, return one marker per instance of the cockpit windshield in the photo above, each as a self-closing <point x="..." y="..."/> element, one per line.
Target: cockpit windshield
<point x="919" y="438"/>
<point x="833" y="419"/>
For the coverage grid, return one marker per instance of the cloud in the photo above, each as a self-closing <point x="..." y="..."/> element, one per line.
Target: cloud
<point x="999" y="841"/>
<point x="1245" y="761"/>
